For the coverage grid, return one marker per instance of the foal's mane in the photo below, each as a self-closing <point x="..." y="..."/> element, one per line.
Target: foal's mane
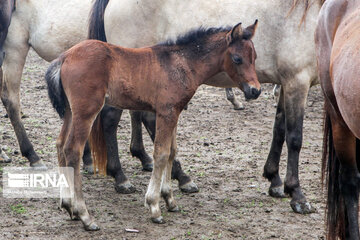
<point x="307" y="5"/>
<point x="194" y="36"/>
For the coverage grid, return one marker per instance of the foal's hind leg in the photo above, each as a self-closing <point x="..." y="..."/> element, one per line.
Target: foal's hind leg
<point x="65" y="203"/>
<point x="73" y="149"/>
<point x="185" y="182"/>
<point x="271" y="168"/>
<point x="231" y="98"/>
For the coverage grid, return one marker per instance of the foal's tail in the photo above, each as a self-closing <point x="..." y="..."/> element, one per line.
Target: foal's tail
<point x="98" y="146"/>
<point x="55" y="88"/>
<point x="335" y="212"/>
<point x="96" y="21"/>
<point x="58" y="99"/>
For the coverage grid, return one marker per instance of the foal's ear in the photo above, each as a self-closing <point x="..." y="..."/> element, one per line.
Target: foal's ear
<point x="235" y="32"/>
<point x="249" y="32"/>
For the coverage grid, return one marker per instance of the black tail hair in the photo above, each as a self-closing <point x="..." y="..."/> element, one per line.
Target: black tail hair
<point x="335" y="212"/>
<point x="55" y="88"/>
<point x="96" y="21"/>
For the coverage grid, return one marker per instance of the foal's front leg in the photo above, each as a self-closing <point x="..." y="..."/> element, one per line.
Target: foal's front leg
<point x="185" y="182"/>
<point x="165" y="126"/>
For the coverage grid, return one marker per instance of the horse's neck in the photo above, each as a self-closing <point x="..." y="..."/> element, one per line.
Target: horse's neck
<point x="203" y="61"/>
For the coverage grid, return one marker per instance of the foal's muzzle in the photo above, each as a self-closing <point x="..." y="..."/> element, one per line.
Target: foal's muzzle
<point x="251" y="92"/>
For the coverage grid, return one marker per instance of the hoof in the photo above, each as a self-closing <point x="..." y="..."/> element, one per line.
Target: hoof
<point x="158" y="220"/>
<point x="189" y="187"/>
<point x="174" y="209"/>
<point x="125" y="188"/>
<point x="4" y="158"/>
<point x="277" y="192"/>
<point x="238" y="105"/>
<point x="92" y="227"/>
<point x="302" y="207"/>
<point x="88" y="169"/>
<point x="148" y="167"/>
<point x="39" y="166"/>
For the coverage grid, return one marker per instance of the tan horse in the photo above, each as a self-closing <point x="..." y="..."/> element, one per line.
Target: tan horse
<point x="338" y="55"/>
<point x="161" y="79"/>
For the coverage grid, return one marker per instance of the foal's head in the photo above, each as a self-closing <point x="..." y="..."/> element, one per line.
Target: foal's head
<point x="6" y="9"/>
<point x="239" y="60"/>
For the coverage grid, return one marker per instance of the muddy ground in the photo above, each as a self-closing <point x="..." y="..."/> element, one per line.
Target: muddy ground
<point x="222" y="149"/>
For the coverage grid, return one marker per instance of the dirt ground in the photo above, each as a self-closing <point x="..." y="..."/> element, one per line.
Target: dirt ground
<point x="223" y="150"/>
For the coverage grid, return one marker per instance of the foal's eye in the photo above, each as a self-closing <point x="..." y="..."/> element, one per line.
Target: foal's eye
<point x="237" y="59"/>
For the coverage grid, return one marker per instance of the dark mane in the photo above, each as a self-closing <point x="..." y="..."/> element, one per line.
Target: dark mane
<point x="307" y="5"/>
<point x="194" y="36"/>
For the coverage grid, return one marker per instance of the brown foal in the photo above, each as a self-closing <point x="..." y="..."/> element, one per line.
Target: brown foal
<point x="161" y="79"/>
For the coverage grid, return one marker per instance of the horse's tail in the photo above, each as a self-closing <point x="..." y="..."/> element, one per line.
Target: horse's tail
<point x="55" y="88"/>
<point x="335" y="212"/>
<point x="98" y="146"/>
<point x="96" y="21"/>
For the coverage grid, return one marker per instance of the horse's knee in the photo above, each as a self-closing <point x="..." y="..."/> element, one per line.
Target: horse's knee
<point x="161" y="159"/>
<point x="72" y="154"/>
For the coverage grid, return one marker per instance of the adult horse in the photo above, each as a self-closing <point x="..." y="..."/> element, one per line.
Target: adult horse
<point x="338" y="56"/>
<point x="295" y="70"/>
<point x="7" y="7"/>
<point x="50" y="27"/>
<point x="161" y="79"/>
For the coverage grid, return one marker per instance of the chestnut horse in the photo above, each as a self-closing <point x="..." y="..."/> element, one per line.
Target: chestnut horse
<point x="161" y="79"/>
<point x="338" y="56"/>
<point x="7" y="7"/>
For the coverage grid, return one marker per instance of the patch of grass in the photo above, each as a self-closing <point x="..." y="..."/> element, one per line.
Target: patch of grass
<point x="19" y="209"/>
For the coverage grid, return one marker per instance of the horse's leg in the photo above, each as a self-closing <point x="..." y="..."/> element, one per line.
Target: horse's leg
<point x="271" y="168"/>
<point x="65" y="203"/>
<point x="10" y="96"/>
<point x="231" y="98"/>
<point x="137" y="145"/>
<point x="162" y="149"/>
<point x="73" y="149"/>
<point x="166" y="191"/>
<point x="185" y="182"/>
<point x="110" y="119"/>
<point x="87" y="160"/>
<point x="345" y="147"/>
<point x="295" y="99"/>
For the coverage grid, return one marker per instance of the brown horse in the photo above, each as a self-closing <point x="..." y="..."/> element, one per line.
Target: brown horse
<point x="338" y="56"/>
<point x="161" y="79"/>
